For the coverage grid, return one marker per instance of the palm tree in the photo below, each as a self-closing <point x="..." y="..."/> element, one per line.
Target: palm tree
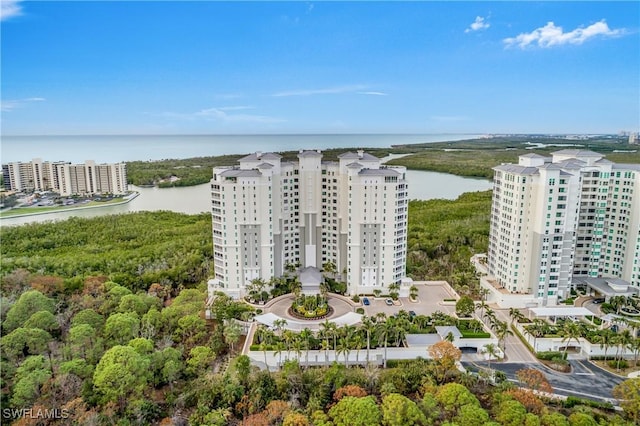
<point x="343" y="348"/>
<point x="393" y="290"/>
<point x="263" y="348"/>
<point x="330" y="268"/>
<point x="492" y="351"/>
<point x="358" y="343"/>
<point x="516" y="315"/>
<point x="279" y="325"/>
<point x="421" y="321"/>
<point x="298" y="345"/>
<point x="570" y="331"/>
<point x="484" y="292"/>
<point x="279" y="349"/>
<point x="368" y="326"/>
<point x="624" y="340"/>
<point x="324" y="289"/>
<point x="401" y="329"/>
<point x="502" y="331"/>
<point x="296" y="287"/>
<point x="265" y="337"/>
<point x="289" y="337"/>
<point x="482" y="306"/>
<point x="617" y="303"/>
<point x="348" y="333"/>
<point x="606" y="339"/>
<point x="489" y="315"/>
<point x="536" y="330"/>
<point x="413" y="292"/>
<point x="261" y="333"/>
<point x="384" y="330"/>
<point x="305" y="336"/>
<point x="232" y="332"/>
<point x="635" y="347"/>
<point x="329" y="329"/>
<point x="324" y="347"/>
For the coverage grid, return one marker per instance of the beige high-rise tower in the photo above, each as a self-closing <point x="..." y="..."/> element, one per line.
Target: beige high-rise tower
<point x="269" y="215"/>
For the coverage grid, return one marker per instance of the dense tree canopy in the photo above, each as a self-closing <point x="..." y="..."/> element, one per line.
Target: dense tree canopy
<point x="104" y="317"/>
<point x="135" y="250"/>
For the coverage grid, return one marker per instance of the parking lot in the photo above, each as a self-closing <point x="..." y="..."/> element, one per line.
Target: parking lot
<point x="430" y="298"/>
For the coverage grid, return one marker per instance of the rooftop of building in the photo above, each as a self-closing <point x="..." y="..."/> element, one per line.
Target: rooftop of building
<point x="309" y="153"/>
<point x="354" y="165"/>
<point x="561" y="311"/>
<point x="360" y="155"/>
<point x="515" y="168"/>
<point x="624" y="166"/>
<point x="379" y="172"/>
<point x="257" y="156"/>
<point x="414" y="340"/>
<point x="608" y="286"/>
<point x="577" y="153"/>
<point x="241" y="173"/>
<point x="444" y="330"/>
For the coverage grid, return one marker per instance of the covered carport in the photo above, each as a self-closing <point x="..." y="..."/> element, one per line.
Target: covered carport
<point x="560" y="312"/>
<point x="607" y="287"/>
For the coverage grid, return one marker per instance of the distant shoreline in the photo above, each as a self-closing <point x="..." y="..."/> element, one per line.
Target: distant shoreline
<point x="61" y="209"/>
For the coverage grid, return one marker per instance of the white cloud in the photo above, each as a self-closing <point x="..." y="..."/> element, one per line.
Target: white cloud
<point x="372" y="93"/>
<point x="326" y="91"/>
<point x="9" y="9"/>
<point x="551" y="35"/>
<point x="223" y="114"/>
<point x="10" y="105"/>
<point x="477" y="25"/>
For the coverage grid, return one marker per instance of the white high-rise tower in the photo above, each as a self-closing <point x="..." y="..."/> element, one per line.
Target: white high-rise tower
<point x="556" y="219"/>
<point x="269" y="214"/>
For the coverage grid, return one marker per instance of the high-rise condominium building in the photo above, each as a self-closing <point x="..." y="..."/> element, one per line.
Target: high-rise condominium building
<point x="557" y="219"/>
<point x="270" y="214"/>
<point x="66" y="178"/>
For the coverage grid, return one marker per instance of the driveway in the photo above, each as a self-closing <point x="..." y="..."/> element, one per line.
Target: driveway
<point x="584" y="381"/>
<point x="515" y="350"/>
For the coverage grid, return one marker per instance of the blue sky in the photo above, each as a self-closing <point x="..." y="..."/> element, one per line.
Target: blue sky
<point x="319" y="67"/>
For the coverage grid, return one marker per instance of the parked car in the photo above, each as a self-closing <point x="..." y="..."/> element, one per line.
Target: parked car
<point x="598" y="301"/>
<point x="365" y="301"/>
<point x="412" y="314"/>
<point x="388" y="302"/>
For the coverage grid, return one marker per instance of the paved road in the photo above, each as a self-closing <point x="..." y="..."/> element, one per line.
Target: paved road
<point x="585" y="379"/>
<point x="515" y="350"/>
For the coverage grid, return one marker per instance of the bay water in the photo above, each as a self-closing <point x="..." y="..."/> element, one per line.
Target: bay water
<point x="117" y="148"/>
<point x="423" y="185"/>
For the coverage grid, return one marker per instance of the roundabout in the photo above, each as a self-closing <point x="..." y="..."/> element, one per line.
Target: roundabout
<point x="341" y="312"/>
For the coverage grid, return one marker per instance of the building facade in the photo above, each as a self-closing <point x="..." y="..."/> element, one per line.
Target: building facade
<point x="66" y="178"/>
<point x="271" y="215"/>
<point x="556" y="219"/>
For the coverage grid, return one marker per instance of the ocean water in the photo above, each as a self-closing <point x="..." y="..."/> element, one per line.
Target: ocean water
<point x="112" y="149"/>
